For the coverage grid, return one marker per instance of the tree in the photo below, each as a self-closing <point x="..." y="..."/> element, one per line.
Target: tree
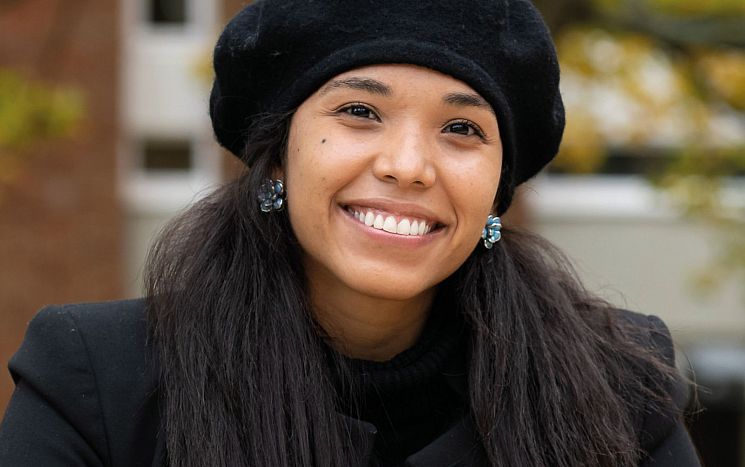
<point x="31" y="113"/>
<point x="663" y="80"/>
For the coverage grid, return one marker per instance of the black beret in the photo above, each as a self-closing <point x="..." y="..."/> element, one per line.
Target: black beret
<point x="275" y="53"/>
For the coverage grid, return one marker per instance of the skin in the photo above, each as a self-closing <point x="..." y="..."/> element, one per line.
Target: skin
<point x="399" y="140"/>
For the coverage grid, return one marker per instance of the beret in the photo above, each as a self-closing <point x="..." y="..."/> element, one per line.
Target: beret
<point x="275" y="53"/>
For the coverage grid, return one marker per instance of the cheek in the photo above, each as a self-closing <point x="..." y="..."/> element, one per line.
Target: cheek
<point x="474" y="188"/>
<point x="319" y="165"/>
<point x="304" y="170"/>
<point x="488" y="176"/>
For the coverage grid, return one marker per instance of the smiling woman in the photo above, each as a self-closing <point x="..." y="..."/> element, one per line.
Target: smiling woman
<point x="352" y="299"/>
<point x="370" y="155"/>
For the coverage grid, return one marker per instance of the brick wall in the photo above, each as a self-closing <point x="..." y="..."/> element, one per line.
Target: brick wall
<point x="60" y="220"/>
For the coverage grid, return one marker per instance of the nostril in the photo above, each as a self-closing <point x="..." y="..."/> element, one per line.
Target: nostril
<point x="392" y="178"/>
<point x="403" y="170"/>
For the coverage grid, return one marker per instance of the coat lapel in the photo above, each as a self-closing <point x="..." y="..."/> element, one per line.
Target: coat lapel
<point x="457" y="447"/>
<point x="363" y="438"/>
<point x="159" y="456"/>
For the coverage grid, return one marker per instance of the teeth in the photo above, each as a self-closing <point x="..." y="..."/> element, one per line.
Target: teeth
<point x="403" y="227"/>
<point x="414" y="229"/>
<point x="391" y="224"/>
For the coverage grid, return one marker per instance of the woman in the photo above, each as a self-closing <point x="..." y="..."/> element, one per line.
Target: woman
<point x="350" y="299"/>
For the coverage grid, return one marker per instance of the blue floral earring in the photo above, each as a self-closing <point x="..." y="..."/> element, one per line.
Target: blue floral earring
<point x="272" y="195"/>
<point x="492" y="232"/>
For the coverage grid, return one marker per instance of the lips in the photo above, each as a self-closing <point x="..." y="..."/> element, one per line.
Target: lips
<point x="405" y="225"/>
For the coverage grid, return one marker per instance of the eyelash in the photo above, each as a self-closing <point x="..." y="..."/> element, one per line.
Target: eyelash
<point x="476" y="129"/>
<point x="347" y="109"/>
<point x="357" y="105"/>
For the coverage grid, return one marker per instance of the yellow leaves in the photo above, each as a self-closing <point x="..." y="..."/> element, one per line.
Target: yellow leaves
<point x="625" y="90"/>
<point x="652" y="92"/>
<point x="620" y="91"/>
<point x="583" y="148"/>
<point x="725" y="73"/>
<point x="676" y="7"/>
<point x="202" y="68"/>
<point x="30" y="113"/>
<point x="699" y="7"/>
<point x="698" y="184"/>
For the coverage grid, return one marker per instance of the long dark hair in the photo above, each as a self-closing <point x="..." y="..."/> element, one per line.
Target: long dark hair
<point x="554" y="380"/>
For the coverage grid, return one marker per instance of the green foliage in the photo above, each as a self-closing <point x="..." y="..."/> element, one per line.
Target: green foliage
<point x="675" y="7"/>
<point x="32" y="113"/>
<point x="704" y="190"/>
<point x="622" y="91"/>
<point x="652" y="76"/>
<point x="699" y="7"/>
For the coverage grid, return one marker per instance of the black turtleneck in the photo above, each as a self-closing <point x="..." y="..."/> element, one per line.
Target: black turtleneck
<point x="417" y="395"/>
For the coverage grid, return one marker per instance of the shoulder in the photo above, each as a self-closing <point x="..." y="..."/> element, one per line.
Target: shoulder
<point x="93" y="364"/>
<point x="127" y="313"/>
<point x="107" y="340"/>
<point x="660" y="427"/>
<point x="649" y="331"/>
<point x="112" y="332"/>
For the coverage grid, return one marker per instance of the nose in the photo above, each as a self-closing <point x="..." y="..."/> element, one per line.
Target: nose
<point x="407" y="159"/>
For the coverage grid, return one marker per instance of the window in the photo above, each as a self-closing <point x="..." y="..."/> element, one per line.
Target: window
<point x="167" y="12"/>
<point x="624" y="162"/>
<point x="167" y="155"/>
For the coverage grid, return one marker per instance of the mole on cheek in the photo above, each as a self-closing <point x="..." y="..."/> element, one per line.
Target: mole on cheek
<point x="323" y="141"/>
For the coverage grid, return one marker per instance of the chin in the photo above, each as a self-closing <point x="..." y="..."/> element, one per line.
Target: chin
<point x="392" y="288"/>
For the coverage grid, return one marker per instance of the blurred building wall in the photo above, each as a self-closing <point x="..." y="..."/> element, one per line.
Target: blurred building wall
<point x="60" y="220"/>
<point x="166" y="152"/>
<point x="633" y="248"/>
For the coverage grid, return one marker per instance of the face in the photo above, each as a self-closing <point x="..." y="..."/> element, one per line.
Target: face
<point x="391" y="172"/>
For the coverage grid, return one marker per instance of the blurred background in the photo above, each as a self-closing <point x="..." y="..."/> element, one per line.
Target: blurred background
<point x="104" y="135"/>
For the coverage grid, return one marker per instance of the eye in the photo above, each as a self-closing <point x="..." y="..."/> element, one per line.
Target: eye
<point x="465" y="128"/>
<point x="360" y="111"/>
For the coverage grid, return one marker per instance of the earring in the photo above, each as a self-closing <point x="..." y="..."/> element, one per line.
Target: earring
<point x="272" y="195"/>
<point x="491" y="233"/>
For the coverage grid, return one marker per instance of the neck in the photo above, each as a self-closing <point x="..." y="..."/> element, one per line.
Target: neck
<point x="367" y="327"/>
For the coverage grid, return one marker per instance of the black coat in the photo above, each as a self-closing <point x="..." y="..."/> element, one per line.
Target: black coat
<point x="87" y="394"/>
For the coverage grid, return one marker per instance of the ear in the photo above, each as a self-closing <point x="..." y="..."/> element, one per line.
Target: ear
<point x="278" y="173"/>
<point x="494" y="206"/>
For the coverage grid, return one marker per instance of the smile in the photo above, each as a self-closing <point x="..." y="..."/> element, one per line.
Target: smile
<point x="399" y="225"/>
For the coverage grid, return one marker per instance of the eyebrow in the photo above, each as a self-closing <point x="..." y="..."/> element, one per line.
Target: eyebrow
<point x="463" y="99"/>
<point x="361" y="84"/>
<point x="373" y="86"/>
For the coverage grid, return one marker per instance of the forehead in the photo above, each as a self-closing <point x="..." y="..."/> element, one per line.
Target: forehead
<point x="393" y="76"/>
<point x="394" y="80"/>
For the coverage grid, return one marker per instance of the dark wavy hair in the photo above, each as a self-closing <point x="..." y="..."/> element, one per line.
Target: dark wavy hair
<point x="246" y="378"/>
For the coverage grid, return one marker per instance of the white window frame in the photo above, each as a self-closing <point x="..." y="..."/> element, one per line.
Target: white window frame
<point x="202" y="16"/>
<point x="165" y="192"/>
<point x="611" y="196"/>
